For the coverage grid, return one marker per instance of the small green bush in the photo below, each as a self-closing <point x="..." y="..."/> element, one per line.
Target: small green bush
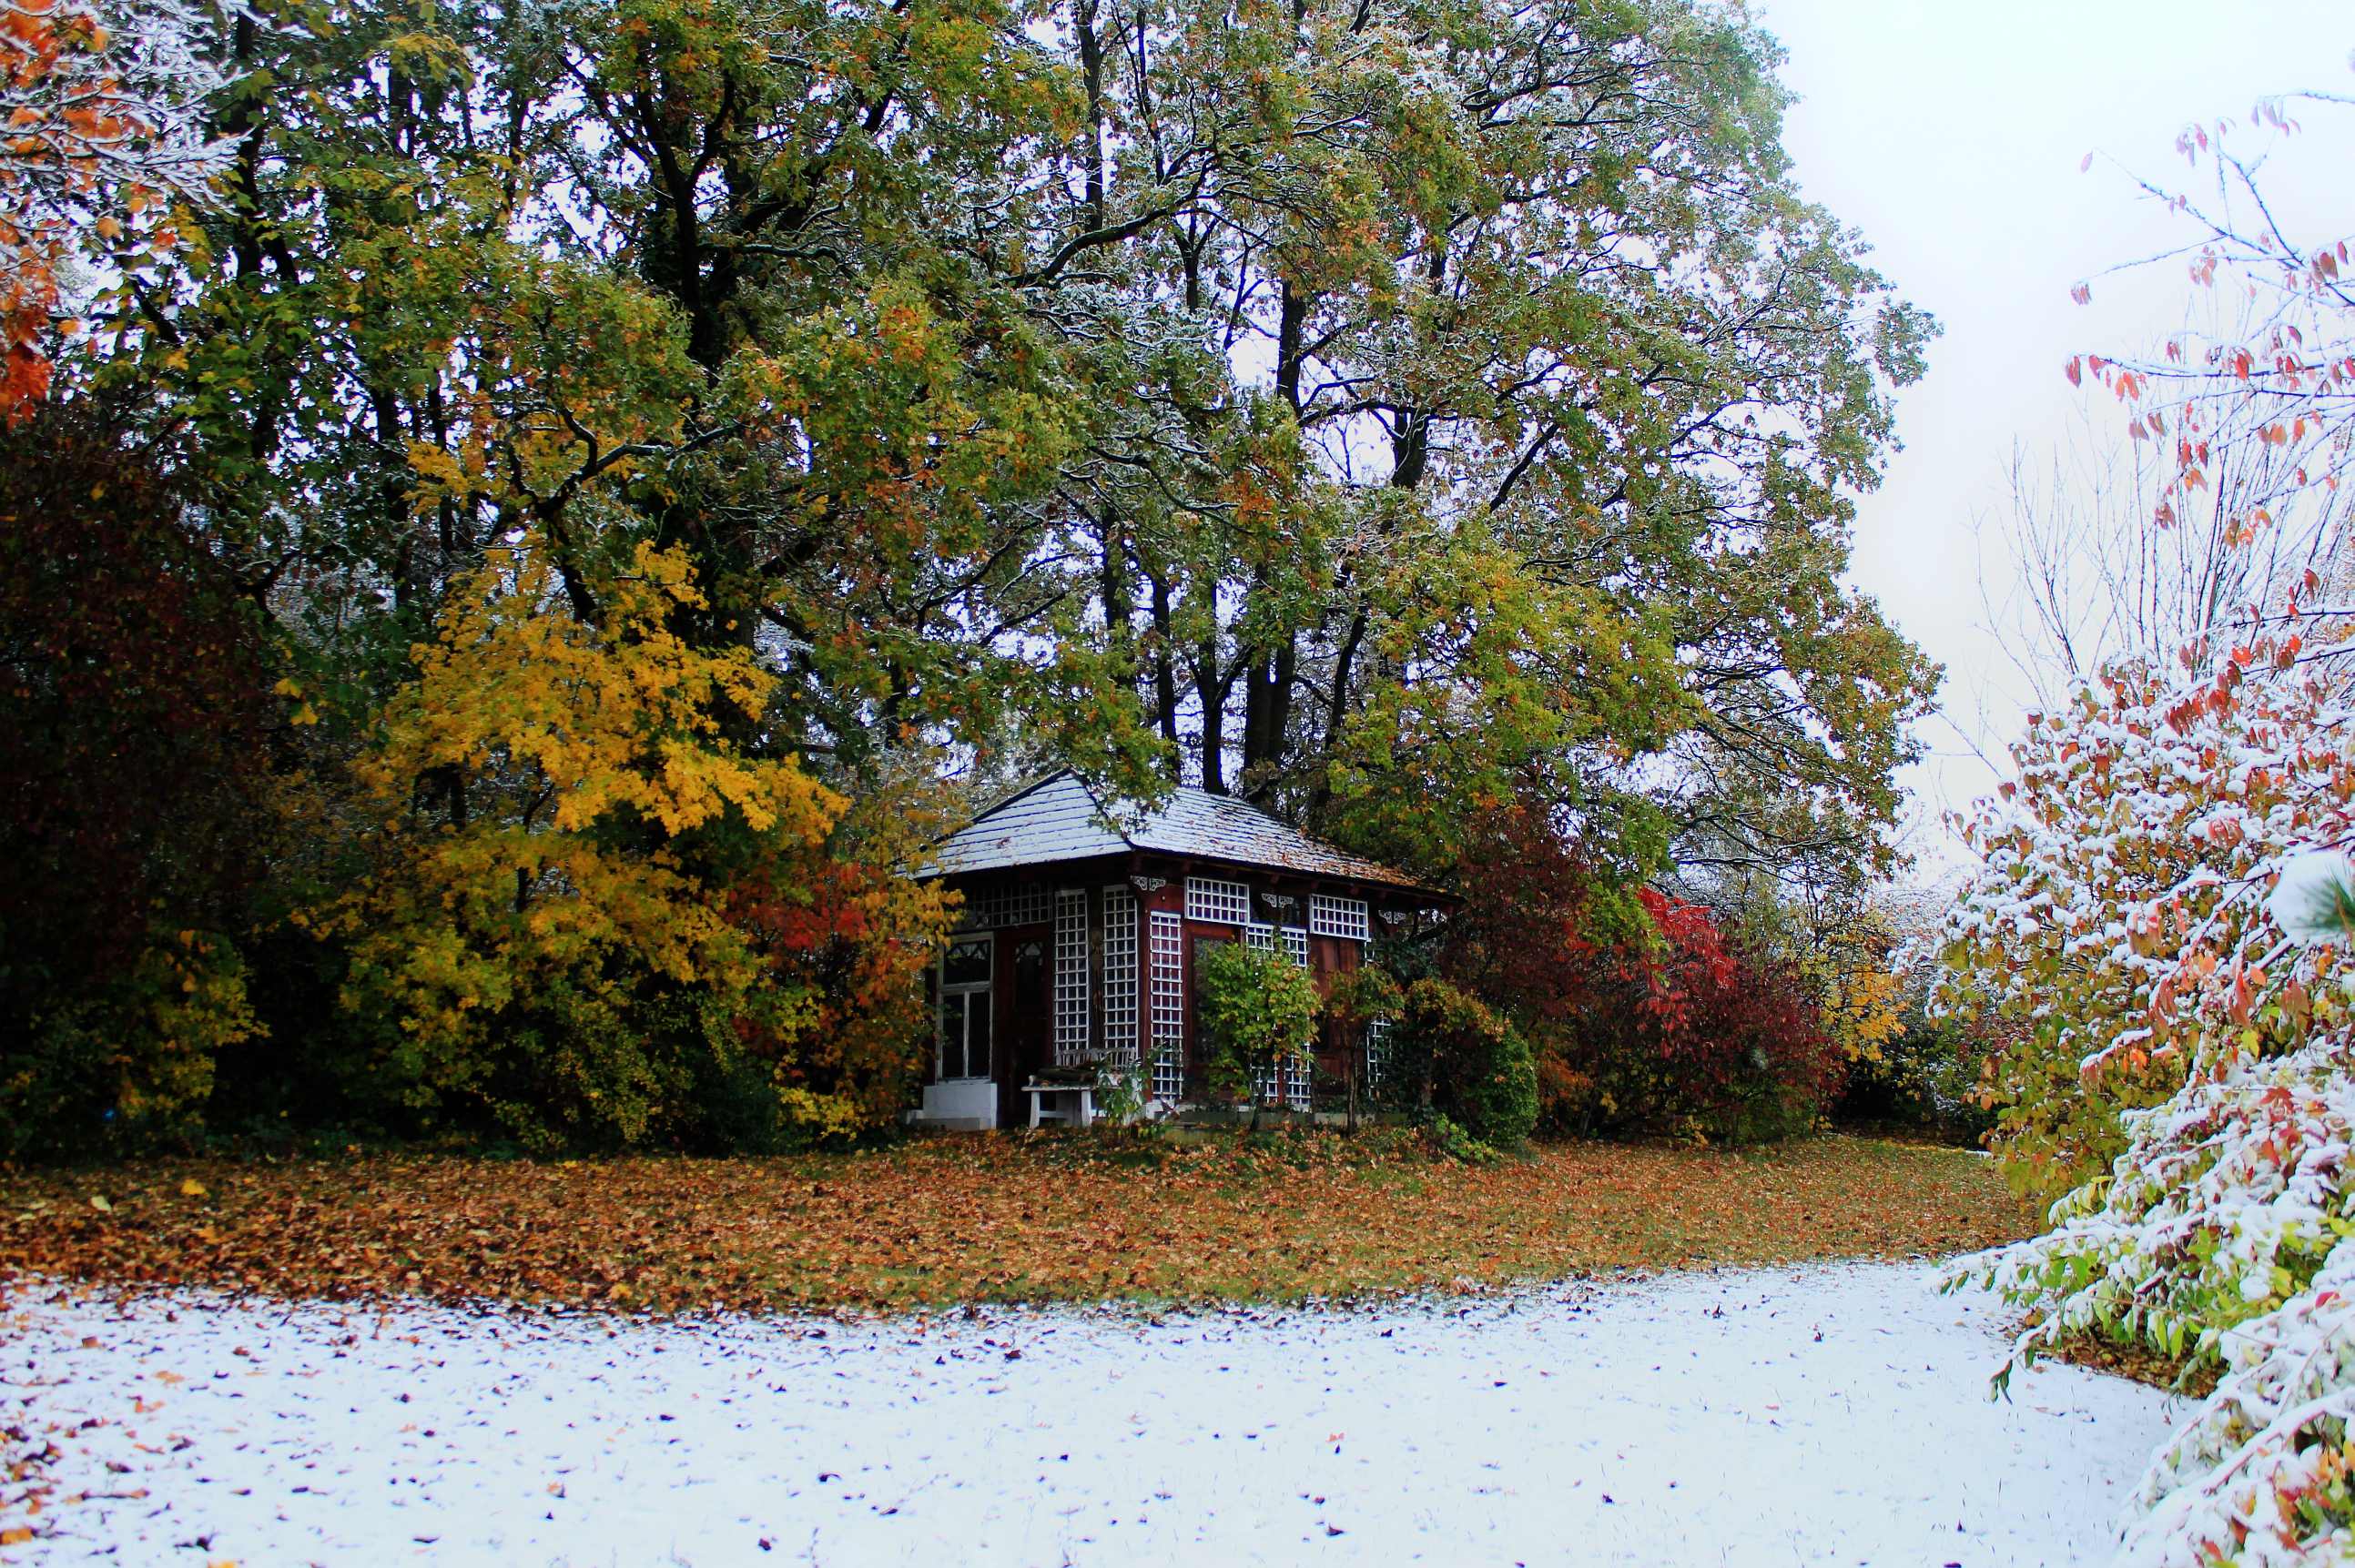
<point x="1451" y="1054"/>
<point x="1258" y="1010"/>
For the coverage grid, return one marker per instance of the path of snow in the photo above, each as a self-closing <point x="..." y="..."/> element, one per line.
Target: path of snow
<point x="1820" y="1415"/>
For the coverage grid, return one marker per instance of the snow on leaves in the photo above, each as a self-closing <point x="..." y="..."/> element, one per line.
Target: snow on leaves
<point x="2124" y="879"/>
<point x="2169" y="880"/>
<point x="105" y="131"/>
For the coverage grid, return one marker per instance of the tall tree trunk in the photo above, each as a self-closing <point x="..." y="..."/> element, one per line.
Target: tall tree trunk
<point x="1084" y="29"/>
<point x="1165" y="679"/>
<point x="1270" y="665"/>
<point x="1210" y="689"/>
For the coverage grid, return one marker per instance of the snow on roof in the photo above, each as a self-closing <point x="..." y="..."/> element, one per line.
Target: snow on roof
<point x="1061" y="818"/>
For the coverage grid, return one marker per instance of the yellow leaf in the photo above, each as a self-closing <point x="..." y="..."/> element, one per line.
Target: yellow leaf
<point x="98" y="1201"/>
<point x="192" y="1187"/>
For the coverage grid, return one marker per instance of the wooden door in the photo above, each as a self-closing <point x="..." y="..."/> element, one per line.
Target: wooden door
<point x="1025" y="1021"/>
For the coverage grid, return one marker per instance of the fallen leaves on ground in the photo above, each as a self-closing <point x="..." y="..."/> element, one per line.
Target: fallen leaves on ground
<point x="949" y="1219"/>
<point x="2139" y="1362"/>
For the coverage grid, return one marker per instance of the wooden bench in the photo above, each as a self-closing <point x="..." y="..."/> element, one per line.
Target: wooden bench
<point x="1080" y="1114"/>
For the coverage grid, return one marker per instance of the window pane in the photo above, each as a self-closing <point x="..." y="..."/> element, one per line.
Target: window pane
<point x="967" y="963"/>
<point x="952" y="1041"/>
<point x="977" y="1035"/>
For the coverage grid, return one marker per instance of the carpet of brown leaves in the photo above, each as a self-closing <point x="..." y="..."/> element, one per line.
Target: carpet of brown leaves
<point x="1043" y="1217"/>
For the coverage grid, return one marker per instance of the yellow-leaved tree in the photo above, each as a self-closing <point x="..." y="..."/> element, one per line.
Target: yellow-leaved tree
<point x="571" y="820"/>
<point x="1856" y="986"/>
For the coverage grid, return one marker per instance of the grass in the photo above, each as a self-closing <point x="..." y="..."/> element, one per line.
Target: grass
<point x="1035" y="1218"/>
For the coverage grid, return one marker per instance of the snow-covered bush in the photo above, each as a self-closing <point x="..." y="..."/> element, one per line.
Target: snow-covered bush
<point x="2116" y="872"/>
<point x="2167" y="890"/>
<point x="2220" y="1237"/>
<point x="2220" y="1233"/>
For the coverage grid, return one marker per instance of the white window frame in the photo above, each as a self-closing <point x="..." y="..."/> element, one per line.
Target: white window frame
<point x="1015" y="904"/>
<point x="1334" y="917"/>
<point x="1214" y="901"/>
<point x="1167" y="953"/>
<point x="965" y="990"/>
<point x="1285" y="1083"/>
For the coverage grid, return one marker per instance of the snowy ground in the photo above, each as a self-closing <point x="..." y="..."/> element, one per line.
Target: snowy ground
<point x="1813" y="1415"/>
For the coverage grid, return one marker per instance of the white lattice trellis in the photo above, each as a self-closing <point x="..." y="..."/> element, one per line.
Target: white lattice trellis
<point x="1167" y="981"/>
<point x="1330" y="916"/>
<point x="1287" y="1082"/>
<point x="1071" y="976"/>
<point x="1219" y="903"/>
<point x="1284" y="1085"/>
<point x="1120" y="976"/>
<point x="1377" y="1044"/>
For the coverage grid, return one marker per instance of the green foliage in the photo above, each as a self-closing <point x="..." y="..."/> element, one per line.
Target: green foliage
<point x="546" y="938"/>
<point x="906" y="338"/>
<point x="1931" y="1076"/>
<point x="131" y="1065"/>
<point x="1453" y="1141"/>
<point x="1449" y="1054"/>
<point x="1258" y="1012"/>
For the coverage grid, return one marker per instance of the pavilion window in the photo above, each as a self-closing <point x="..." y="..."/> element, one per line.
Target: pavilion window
<point x="1219" y="903"/>
<point x="1167" y="980"/>
<point x="1344" y="917"/>
<point x="965" y="1009"/>
<point x="1021" y="903"/>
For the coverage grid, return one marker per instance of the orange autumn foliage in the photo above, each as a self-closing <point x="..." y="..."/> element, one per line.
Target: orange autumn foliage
<point x="97" y="137"/>
<point x="947" y="1220"/>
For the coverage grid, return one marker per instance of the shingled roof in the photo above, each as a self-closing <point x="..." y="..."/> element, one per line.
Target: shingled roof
<point x="1059" y="819"/>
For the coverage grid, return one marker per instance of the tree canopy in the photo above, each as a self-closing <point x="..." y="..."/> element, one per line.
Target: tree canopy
<point x="1388" y="411"/>
<point x="1355" y="407"/>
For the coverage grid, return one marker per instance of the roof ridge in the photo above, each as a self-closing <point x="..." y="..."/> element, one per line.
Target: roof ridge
<point x="1103" y="812"/>
<point x="1022" y="791"/>
<point x="1189" y="822"/>
<point x="1251" y="805"/>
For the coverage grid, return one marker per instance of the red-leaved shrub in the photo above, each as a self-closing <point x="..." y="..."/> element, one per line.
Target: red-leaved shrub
<point x="1644" y="1015"/>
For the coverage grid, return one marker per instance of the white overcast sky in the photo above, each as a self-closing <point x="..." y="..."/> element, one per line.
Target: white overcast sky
<point x="1951" y="132"/>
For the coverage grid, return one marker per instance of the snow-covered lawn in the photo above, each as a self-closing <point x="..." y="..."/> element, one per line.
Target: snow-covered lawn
<point x="1825" y="1414"/>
